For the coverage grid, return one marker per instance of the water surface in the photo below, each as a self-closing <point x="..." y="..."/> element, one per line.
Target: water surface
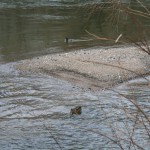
<point x="33" y="28"/>
<point x="35" y="113"/>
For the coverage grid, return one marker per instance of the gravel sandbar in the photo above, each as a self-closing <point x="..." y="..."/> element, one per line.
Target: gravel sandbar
<point x="92" y="68"/>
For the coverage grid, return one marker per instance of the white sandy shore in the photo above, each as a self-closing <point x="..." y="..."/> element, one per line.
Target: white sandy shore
<point x="92" y="68"/>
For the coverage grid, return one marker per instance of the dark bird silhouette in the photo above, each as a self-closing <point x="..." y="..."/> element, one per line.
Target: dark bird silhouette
<point x="66" y="40"/>
<point x="76" y="111"/>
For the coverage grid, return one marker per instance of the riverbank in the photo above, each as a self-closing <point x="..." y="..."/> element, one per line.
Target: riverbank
<point x="92" y="68"/>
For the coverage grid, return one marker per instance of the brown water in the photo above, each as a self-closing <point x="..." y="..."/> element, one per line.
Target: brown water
<point x="35" y="109"/>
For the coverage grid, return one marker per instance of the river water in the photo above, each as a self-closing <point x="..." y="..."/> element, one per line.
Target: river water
<point x="35" y="109"/>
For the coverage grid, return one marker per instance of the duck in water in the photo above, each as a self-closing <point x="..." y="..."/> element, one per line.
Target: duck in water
<point x="66" y="40"/>
<point x="76" y="111"/>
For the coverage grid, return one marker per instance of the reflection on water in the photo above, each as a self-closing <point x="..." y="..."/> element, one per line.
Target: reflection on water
<point x="31" y="28"/>
<point x="35" y="113"/>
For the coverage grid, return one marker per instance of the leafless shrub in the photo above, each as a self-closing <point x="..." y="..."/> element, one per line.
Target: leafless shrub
<point x="117" y="12"/>
<point x="136" y="118"/>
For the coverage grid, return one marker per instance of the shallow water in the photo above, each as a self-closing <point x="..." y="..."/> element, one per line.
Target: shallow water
<point x="35" y="112"/>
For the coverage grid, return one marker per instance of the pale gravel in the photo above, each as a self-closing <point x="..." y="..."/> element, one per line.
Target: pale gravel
<point x="92" y="68"/>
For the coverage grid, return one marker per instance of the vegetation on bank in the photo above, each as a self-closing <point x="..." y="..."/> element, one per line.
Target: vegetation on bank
<point x="128" y="21"/>
<point x="136" y="124"/>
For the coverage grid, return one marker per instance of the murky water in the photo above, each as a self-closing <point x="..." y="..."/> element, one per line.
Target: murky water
<point x="30" y="28"/>
<point x="35" y="109"/>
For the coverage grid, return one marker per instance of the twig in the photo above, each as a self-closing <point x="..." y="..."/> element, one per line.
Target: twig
<point x="116" y="41"/>
<point x="143" y="6"/>
<point x="99" y="38"/>
<point x="54" y="138"/>
<point x="134" y="103"/>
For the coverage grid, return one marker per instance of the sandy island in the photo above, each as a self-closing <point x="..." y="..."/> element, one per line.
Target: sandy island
<point x="92" y="68"/>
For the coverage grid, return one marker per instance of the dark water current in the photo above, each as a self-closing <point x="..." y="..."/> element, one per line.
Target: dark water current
<point x="30" y="28"/>
<point x="35" y="109"/>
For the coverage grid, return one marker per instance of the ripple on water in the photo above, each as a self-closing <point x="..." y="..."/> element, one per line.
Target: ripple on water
<point x="35" y="113"/>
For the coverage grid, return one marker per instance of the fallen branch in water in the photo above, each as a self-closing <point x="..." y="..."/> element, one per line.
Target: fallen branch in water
<point x="103" y="38"/>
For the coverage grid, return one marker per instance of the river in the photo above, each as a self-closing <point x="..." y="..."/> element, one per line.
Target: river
<point x="35" y="109"/>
